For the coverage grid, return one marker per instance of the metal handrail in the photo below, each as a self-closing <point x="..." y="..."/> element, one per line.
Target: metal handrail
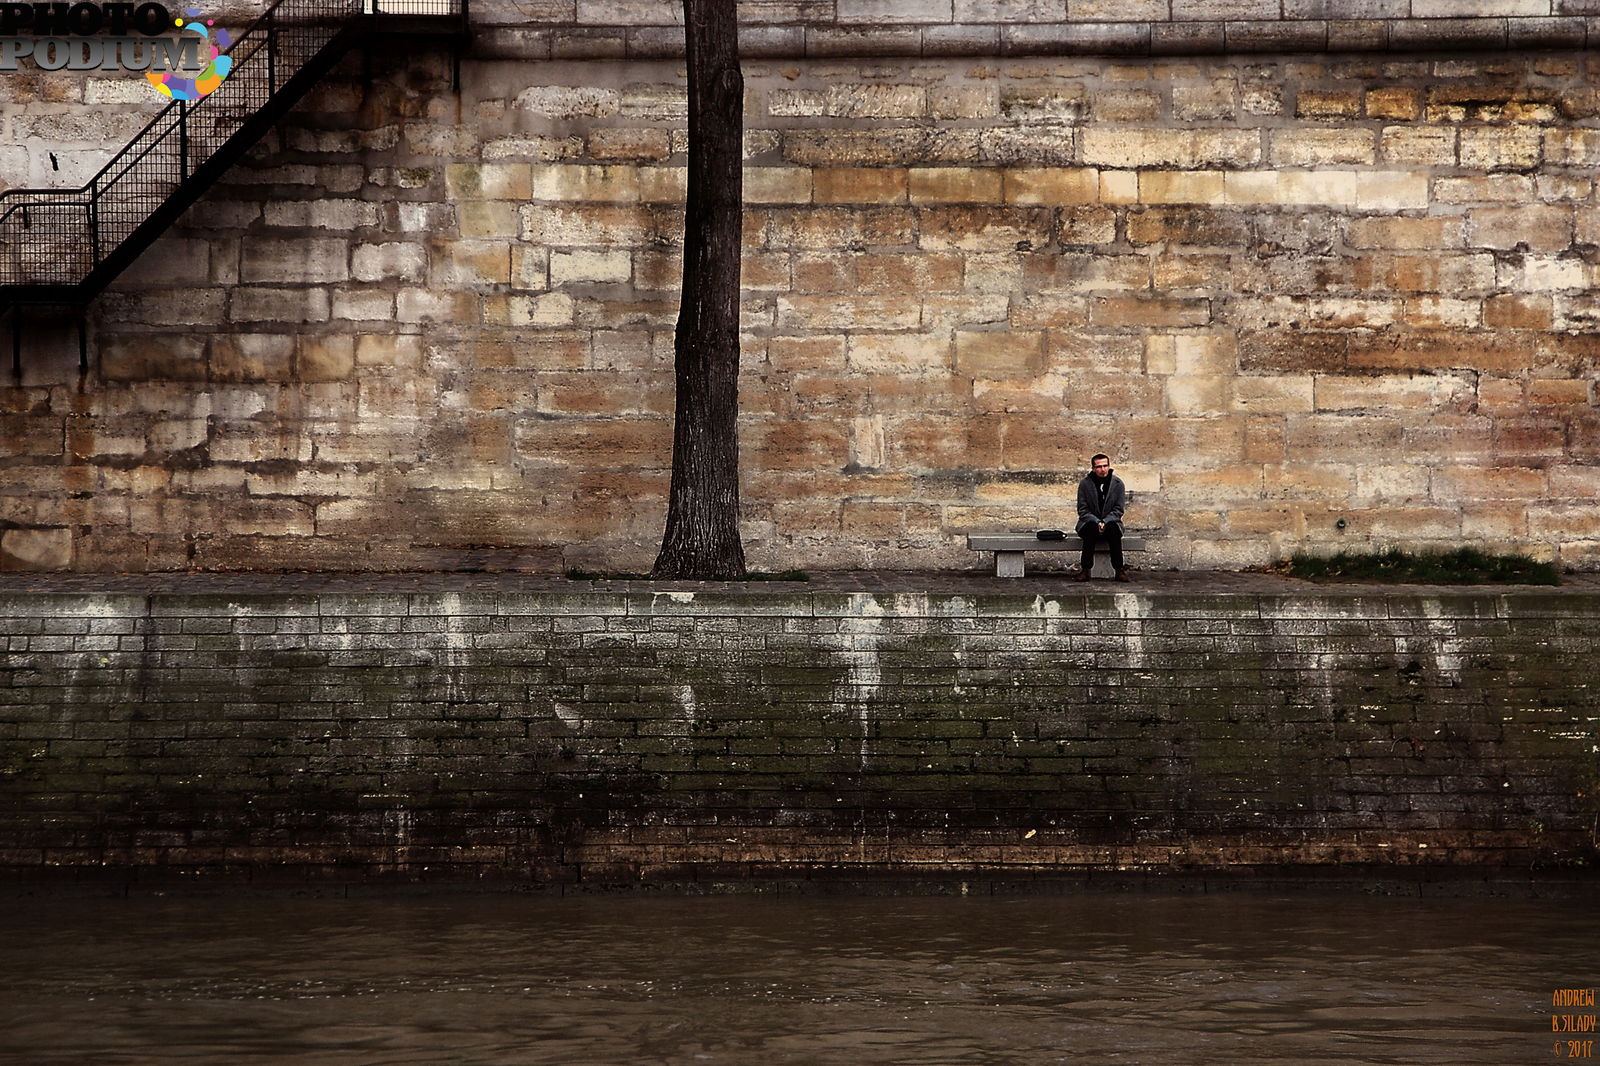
<point x="99" y="216"/>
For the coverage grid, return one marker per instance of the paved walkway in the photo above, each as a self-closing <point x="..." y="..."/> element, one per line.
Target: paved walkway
<point x="970" y="582"/>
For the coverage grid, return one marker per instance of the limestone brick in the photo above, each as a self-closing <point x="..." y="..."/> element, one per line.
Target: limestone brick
<point x="322" y="214"/>
<point x="999" y="354"/>
<point x="425" y="305"/>
<point x="36" y="549"/>
<point x="583" y="225"/>
<point x="1200" y="103"/>
<point x="1181" y="187"/>
<point x="254" y="304"/>
<point x="614" y="145"/>
<point x="1493" y="188"/>
<point x="1126" y="105"/>
<point x="329" y="357"/>
<point x="1543" y="273"/>
<point x="1441" y="313"/>
<point x="1559" y="392"/>
<point x="488" y="181"/>
<point x="1051" y="185"/>
<point x="899" y="353"/>
<point x="298" y="261"/>
<point x="393" y="261"/>
<point x="1187" y="226"/>
<point x="859" y="185"/>
<point x="582" y="183"/>
<point x="833" y="312"/>
<point x="1418" y="145"/>
<point x="1155" y="312"/>
<point x="955" y="185"/>
<point x="1119" y="186"/>
<point x="1398" y="232"/>
<point x="1107" y="147"/>
<point x="1528" y="228"/>
<point x="1322" y="147"/>
<point x="982" y="228"/>
<point x="589" y="267"/>
<point x="250" y="357"/>
<point x="470" y="263"/>
<point x="1280" y="394"/>
<point x="1426" y="392"/>
<point x="1500" y="147"/>
<point x="486" y="219"/>
<point x="777" y="185"/>
<point x="663" y="185"/>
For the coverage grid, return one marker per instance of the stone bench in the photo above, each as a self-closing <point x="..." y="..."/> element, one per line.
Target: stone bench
<point x="1008" y="549"/>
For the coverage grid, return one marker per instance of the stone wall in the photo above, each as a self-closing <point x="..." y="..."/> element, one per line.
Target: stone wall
<point x="429" y="328"/>
<point x="605" y="736"/>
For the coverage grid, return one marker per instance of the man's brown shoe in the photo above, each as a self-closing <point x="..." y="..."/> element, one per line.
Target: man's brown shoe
<point x="1122" y="575"/>
<point x="1083" y="575"/>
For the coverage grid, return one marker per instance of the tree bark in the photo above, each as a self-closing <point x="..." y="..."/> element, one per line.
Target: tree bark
<point x="702" y="532"/>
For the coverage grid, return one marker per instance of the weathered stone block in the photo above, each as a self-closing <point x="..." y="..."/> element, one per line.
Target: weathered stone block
<point x="323" y="214"/>
<point x="859" y="185"/>
<point x="1511" y="311"/>
<point x="325" y="358"/>
<point x="999" y="354"/>
<point x="394" y="261"/>
<point x="36" y="549"/>
<point x="1392" y="391"/>
<point x="1224" y="10"/>
<point x="297" y="261"/>
<point x="1529" y="228"/>
<point x="777" y="185"/>
<point x="1393" y="102"/>
<point x="895" y="353"/>
<point x="1500" y="148"/>
<point x="1405" y="233"/>
<point x="586" y="266"/>
<point x="1181" y="187"/>
<point x="1281" y="394"/>
<point x="585" y="184"/>
<point x="251" y="357"/>
<point x="1417" y="145"/>
<point x="1187" y="226"/>
<point x="1322" y="147"/>
<point x="1171" y="148"/>
<point x="1158" y="312"/>
<point x="954" y="185"/>
<point x="584" y="225"/>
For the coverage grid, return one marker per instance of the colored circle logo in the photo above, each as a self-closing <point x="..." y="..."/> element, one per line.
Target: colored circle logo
<point x="187" y="84"/>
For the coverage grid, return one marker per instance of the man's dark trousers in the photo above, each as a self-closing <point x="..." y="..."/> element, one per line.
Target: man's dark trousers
<point x="1092" y="535"/>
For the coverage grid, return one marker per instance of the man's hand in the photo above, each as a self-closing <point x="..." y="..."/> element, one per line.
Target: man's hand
<point x="1102" y="527"/>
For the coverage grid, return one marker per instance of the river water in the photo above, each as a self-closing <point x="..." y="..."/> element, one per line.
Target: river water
<point x="1195" y="979"/>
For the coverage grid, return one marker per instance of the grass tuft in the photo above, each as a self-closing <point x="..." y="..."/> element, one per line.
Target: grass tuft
<point x="1463" y="566"/>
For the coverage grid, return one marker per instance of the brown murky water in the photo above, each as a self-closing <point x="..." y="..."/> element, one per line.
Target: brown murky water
<point x="1094" y="978"/>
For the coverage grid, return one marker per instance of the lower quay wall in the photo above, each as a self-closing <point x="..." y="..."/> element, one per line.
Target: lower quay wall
<point x="608" y="737"/>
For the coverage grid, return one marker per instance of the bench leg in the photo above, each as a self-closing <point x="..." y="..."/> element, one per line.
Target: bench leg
<point x="1102" y="562"/>
<point x="1007" y="564"/>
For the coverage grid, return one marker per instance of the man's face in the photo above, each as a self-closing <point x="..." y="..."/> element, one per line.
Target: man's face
<point x="1102" y="467"/>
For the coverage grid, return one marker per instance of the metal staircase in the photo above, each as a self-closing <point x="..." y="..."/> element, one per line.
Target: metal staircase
<point x="60" y="247"/>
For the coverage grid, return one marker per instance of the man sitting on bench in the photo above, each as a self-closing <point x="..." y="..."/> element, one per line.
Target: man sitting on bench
<point x="1101" y="498"/>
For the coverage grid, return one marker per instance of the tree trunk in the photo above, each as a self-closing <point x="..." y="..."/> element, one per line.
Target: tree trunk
<point x="702" y="533"/>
